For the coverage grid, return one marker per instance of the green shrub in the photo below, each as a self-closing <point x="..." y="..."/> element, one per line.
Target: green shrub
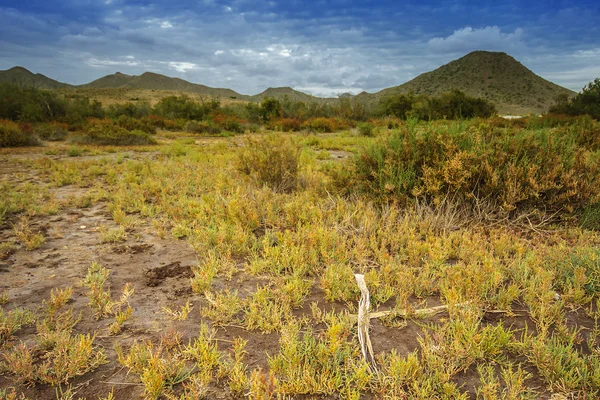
<point x="514" y="170"/>
<point x="203" y="128"/>
<point x="272" y="161"/>
<point x="106" y="132"/>
<point x="589" y="217"/>
<point x="365" y="129"/>
<point x="322" y="125"/>
<point x="232" y="125"/>
<point x="133" y="124"/>
<point x="52" y="132"/>
<point x="286" y="125"/>
<point x="11" y="135"/>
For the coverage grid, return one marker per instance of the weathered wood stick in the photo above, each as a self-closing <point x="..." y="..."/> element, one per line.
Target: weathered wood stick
<point x="364" y="321"/>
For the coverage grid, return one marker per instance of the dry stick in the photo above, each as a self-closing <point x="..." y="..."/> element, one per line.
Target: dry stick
<point x="364" y="321"/>
<point x="426" y="312"/>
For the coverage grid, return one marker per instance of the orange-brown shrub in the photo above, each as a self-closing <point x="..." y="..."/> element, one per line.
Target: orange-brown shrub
<point x="13" y="135"/>
<point x="286" y="125"/>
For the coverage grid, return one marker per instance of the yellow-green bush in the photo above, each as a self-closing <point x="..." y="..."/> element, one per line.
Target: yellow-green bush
<point x="272" y="161"/>
<point x="11" y="135"/>
<point x="514" y="170"/>
<point x="107" y="132"/>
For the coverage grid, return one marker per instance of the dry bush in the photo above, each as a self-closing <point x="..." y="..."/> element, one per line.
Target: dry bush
<point x="52" y="131"/>
<point x="202" y="128"/>
<point x="107" y="132"/>
<point x="12" y="135"/>
<point x="286" y="125"/>
<point x="520" y="171"/>
<point x="272" y="161"/>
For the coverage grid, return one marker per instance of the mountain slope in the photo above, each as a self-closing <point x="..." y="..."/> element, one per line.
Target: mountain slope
<point x="291" y="94"/>
<point x="496" y="77"/>
<point x="153" y="81"/>
<point x="24" y="77"/>
<point x="109" y="81"/>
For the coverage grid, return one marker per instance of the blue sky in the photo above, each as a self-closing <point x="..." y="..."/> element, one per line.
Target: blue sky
<point x="321" y="47"/>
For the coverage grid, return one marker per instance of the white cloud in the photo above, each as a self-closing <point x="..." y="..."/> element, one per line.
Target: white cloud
<point x="94" y="62"/>
<point x="181" y="66"/>
<point x="166" y="24"/>
<point x="468" y="39"/>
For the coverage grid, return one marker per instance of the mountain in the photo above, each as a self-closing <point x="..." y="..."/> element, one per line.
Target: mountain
<point x="496" y="77"/>
<point x="109" y="81"/>
<point x="153" y="81"/>
<point x="291" y="94"/>
<point x="24" y="77"/>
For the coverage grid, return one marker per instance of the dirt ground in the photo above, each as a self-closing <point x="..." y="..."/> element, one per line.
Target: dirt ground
<point x="159" y="271"/>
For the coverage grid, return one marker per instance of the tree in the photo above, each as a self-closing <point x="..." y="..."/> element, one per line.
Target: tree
<point x="270" y="109"/>
<point x="585" y="102"/>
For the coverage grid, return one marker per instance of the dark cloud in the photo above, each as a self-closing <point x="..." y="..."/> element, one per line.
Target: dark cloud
<point x="324" y="47"/>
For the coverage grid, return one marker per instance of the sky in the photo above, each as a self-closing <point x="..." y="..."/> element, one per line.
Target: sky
<point x="325" y="47"/>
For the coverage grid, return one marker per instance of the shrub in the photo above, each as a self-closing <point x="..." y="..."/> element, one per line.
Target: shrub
<point x="132" y="124"/>
<point x="203" y="128"/>
<point x="232" y="125"/>
<point x="106" y="132"/>
<point x="365" y="129"/>
<point x="515" y="170"/>
<point x="11" y="135"/>
<point x="322" y="125"/>
<point x="175" y="107"/>
<point x="273" y="161"/>
<point x="52" y="131"/>
<point x="164" y="123"/>
<point x="286" y="125"/>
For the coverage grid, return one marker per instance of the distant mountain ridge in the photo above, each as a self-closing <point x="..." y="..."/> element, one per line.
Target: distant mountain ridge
<point x="24" y="77"/>
<point x="496" y="77"/>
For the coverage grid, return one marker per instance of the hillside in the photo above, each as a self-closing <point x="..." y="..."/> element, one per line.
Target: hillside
<point x="292" y="94"/>
<point x="496" y="77"/>
<point x="24" y="77"/>
<point x="109" y="81"/>
<point x="153" y="81"/>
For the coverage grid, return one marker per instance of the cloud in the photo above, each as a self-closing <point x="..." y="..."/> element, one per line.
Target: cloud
<point x="326" y="47"/>
<point x="182" y="66"/>
<point x="468" y="39"/>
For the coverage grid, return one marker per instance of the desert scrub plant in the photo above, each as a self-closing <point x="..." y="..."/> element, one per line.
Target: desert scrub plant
<point x="52" y="131"/>
<point x="272" y="161"/>
<point x="100" y="298"/>
<point x="158" y="369"/>
<point x="112" y="235"/>
<point x="222" y="307"/>
<point x="11" y="135"/>
<point x="204" y="352"/>
<point x="321" y="364"/>
<point x="70" y="356"/>
<point x="515" y="170"/>
<point x="202" y="128"/>
<point x="286" y="125"/>
<point x="12" y="321"/>
<point x="181" y="314"/>
<point x="11" y="393"/>
<point x="235" y="370"/>
<point x="322" y="125"/>
<point x="560" y="364"/>
<point x="365" y="129"/>
<point x="22" y="230"/>
<point x="338" y="283"/>
<point x="107" y="132"/>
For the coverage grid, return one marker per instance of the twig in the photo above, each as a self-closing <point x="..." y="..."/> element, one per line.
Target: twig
<point x="364" y="321"/>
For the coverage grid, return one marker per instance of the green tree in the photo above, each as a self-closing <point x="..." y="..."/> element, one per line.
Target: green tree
<point x="270" y="109"/>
